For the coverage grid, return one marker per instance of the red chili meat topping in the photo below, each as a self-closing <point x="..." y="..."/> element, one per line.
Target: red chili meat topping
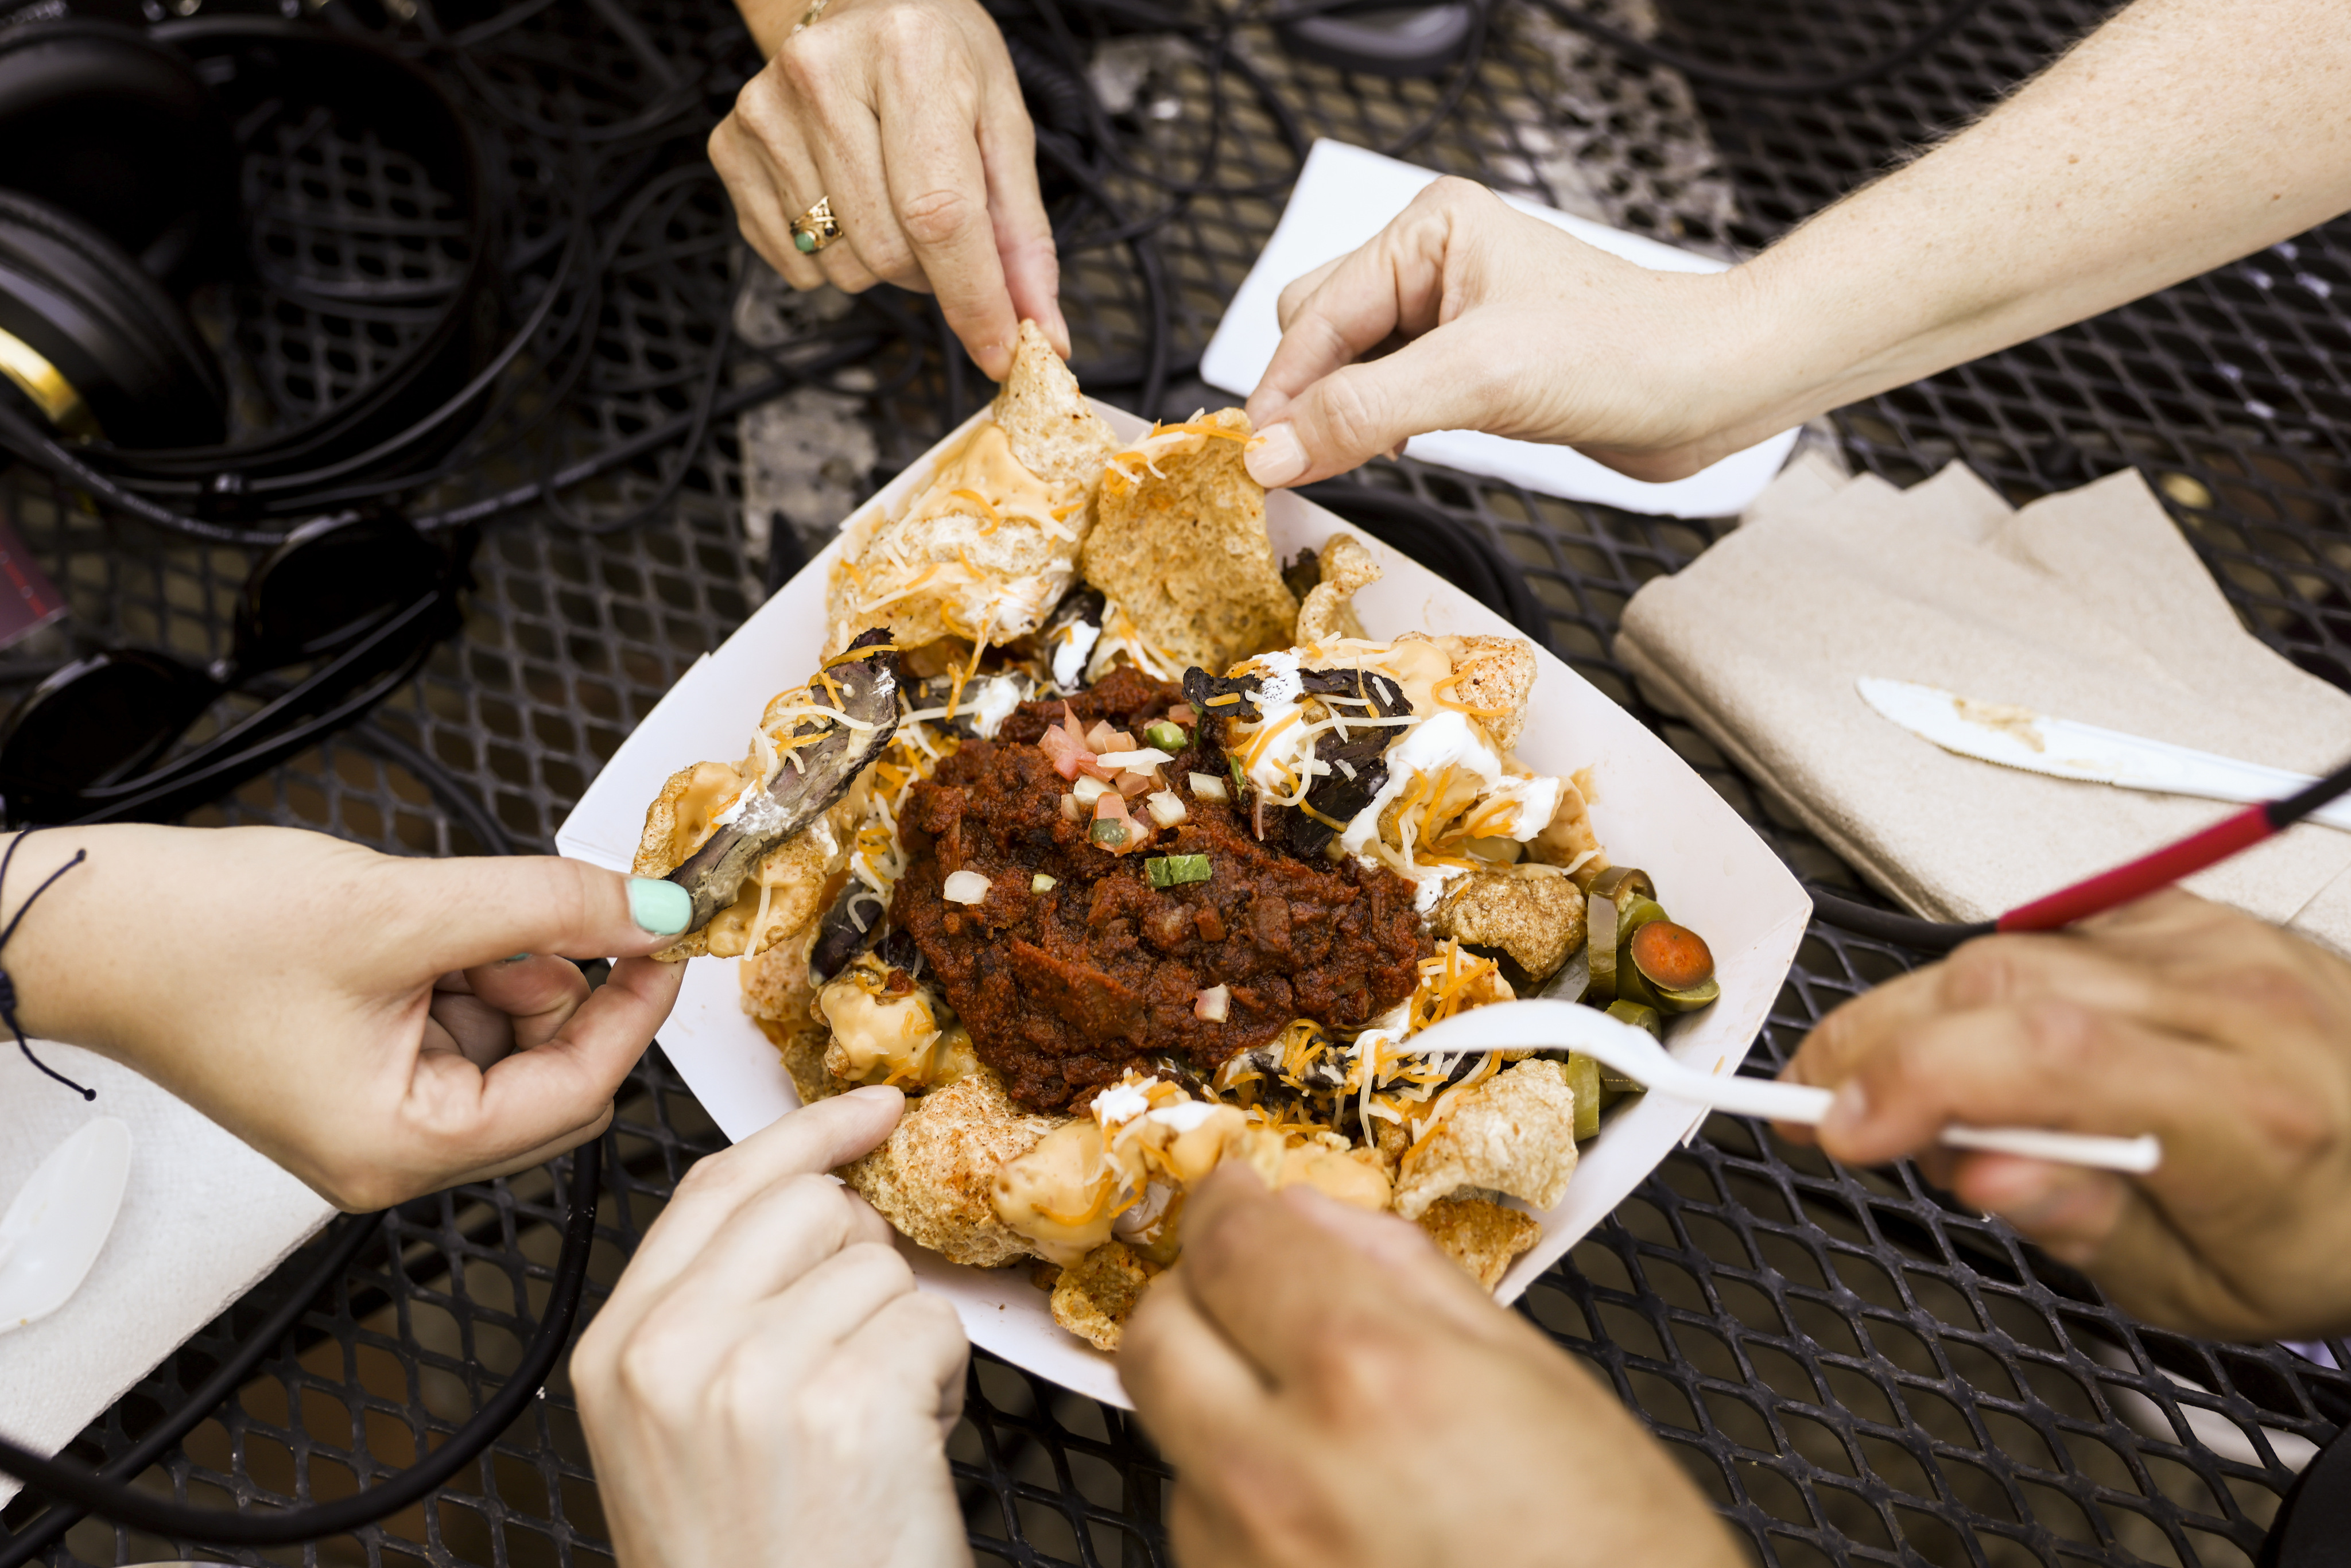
<point x="1063" y="990"/>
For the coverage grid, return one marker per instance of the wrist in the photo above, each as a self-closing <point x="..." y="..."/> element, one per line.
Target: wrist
<point x="46" y="898"/>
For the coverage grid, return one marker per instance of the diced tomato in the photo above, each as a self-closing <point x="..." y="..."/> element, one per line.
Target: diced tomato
<point x="1111" y="807"/>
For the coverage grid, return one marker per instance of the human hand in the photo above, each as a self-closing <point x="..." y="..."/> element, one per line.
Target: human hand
<point x="766" y="1384"/>
<point x="2222" y="1035"/>
<point x="381" y="1027"/>
<point x="1331" y="1390"/>
<point x="906" y="115"/>
<point x="1506" y="325"/>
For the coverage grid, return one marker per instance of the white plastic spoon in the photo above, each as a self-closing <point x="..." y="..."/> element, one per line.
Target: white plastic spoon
<point x="1538" y="1025"/>
<point x="58" y="1223"/>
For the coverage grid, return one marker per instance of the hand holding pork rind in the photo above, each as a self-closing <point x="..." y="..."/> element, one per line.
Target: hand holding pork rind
<point x="1127" y="855"/>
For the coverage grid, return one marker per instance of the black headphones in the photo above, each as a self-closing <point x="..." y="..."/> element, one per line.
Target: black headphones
<point x="124" y="181"/>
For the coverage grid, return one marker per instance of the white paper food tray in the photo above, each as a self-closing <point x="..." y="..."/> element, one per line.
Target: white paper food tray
<point x="1650" y="810"/>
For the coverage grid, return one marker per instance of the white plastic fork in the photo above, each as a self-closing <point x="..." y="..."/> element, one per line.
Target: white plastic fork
<point x="1539" y="1025"/>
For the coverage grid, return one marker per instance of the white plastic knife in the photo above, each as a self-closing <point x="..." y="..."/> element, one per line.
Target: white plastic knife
<point x="2020" y="738"/>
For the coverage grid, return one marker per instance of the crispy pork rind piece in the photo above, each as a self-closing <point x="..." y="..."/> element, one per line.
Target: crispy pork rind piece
<point x="1568" y="840"/>
<point x="778" y="996"/>
<point x="1183" y="551"/>
<point x="1513" y="1133"/>
<point x="1480" y="1234"/>
<point x="1531" y="911"/>
<point x="1493" y="677"/>
<point x="974" y="556"/>
<point x="1052" y="430"/>
<point x="1094" y="1300"/>
<point x="1328" y="611"/>
<point x="932" y="1176"/>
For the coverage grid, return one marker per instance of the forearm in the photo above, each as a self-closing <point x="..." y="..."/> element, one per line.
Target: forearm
<point x="153" y="922"/>
<point x="2182" y="134"/>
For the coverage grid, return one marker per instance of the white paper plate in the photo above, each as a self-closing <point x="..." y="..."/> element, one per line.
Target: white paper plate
<point x="1650" y="807"/>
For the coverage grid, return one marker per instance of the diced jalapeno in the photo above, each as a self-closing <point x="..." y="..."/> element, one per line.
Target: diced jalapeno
<point x="1108" y="831"/>
<point x="1632" y="912"/>
<point x="1620" y="884"/>
<point x="1689" y="1001"/>
<point x="1600" y="921"/>
<point x="1583" y="1078"/>
<point x="1165" y="736"/>
<point x="1639" y="1017"/>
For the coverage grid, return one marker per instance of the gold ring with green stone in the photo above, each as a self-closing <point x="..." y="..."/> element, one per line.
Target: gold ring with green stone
<point x="816" y="228"/>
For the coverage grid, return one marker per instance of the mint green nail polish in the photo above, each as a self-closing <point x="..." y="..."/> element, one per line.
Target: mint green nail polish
<point x="660" y="908"/>
<point x="518" y="959"/>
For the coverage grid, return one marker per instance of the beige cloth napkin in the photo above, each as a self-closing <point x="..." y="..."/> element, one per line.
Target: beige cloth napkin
<point x="204" y="1219"/>
<point x="2087" y="605"/>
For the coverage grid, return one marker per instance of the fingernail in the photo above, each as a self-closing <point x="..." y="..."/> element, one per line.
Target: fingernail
<point x="518" y="959"/>
<point x="877" y="1091"/>
<point x="1847" y="1110"/>
<point x="1277" y="458"/>
<point x="660" y="908"/>
<point x="994" y="361"/>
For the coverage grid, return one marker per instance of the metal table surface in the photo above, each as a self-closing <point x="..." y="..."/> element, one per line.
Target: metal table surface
<point x="1853" y="1369"/>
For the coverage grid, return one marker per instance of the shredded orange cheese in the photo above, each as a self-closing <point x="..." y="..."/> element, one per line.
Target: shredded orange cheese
<point x="1437" y="690"/>
<point x="995" y="518"/>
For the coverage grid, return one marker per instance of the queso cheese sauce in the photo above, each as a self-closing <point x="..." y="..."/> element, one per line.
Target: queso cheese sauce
<point x="1063" y="990"/>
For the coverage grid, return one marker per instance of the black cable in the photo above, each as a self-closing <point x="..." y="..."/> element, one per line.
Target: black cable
<point x="288" y="1526"/>
<point x="454" y="798"/>
<point x="1444" y="544"/>
<point x="1886" y="926"/>
<point x="1699" y="71"/>
<point x="26" y="1544"/>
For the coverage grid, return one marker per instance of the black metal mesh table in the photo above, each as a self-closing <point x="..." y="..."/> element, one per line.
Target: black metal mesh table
<point x="1853" y="1369"/>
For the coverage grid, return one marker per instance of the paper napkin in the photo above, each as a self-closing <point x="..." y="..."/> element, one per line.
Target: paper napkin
<point x="2087" y="605"/>
<point x="203" y="1219"/>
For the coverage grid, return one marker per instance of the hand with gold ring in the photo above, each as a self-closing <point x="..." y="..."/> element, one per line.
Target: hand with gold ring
<point x="886" y="142"/>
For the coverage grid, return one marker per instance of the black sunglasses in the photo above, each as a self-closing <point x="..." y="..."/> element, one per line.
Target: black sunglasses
<point x="361" y="600"/>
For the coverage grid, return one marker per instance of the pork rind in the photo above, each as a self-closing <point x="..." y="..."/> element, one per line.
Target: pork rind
<point x="1480" y="1234"/>
<point x="1179" y="544"/>
<point x="988" y="549"/>
<point x="1094" y="1300"/>
<point x="931" y="1178"/>
<point x="1513" y="1133"/>
<point x="778" y="996"/>
<point x="1531" y="911"/>
<point x="1493" y="677"/>
<point x="1568" y="840"/>
<point x="1053" y="431"/>
<point x="1328" y="609"/>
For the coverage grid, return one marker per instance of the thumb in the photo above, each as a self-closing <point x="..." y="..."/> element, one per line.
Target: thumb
<point x="1357" y="411"/>
<point x="460" y="914"/>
